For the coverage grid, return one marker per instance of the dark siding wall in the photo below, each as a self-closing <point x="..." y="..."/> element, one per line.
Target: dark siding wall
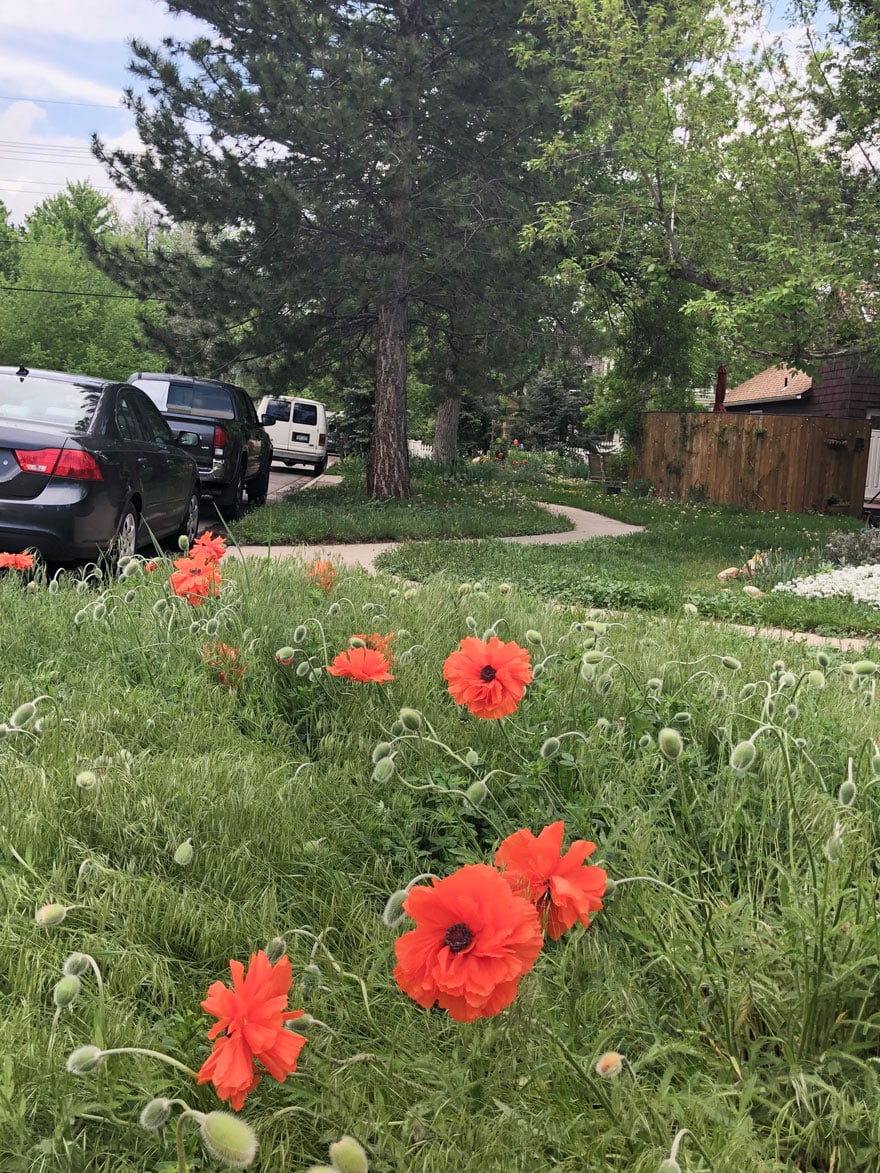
<point x="838" y="391"/>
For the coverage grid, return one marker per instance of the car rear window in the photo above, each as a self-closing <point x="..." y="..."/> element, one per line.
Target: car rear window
<point x="305" y="413"/>
<point x="35" y="400"/>
<point x="200" y="399"/>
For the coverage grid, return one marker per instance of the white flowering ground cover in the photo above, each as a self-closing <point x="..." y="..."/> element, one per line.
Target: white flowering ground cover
<point x="859" y="583"/>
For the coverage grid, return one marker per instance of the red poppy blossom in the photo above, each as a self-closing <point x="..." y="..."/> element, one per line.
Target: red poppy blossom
<point x="208" y="549"/>
<point x="16" y="561"/>
<point x="364" y="664"/>
<point x="474" y="939"/>
<point x="489" y="678"/>
<point x="222" y="659"/>
<point x="322" y="574"/>
<point x="562" y="887"/>
<point x="250" y="1023"/>
<point x="195" y="580"/>
<point x="379" y="643"/>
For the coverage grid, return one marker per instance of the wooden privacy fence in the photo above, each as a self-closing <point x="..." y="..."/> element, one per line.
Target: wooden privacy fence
<point x="765" y="462"/>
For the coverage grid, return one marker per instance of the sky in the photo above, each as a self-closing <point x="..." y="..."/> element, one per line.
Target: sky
<point x="63" y="66"/>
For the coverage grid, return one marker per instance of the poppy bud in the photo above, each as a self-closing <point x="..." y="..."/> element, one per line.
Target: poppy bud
<point x="742" y="756"/>
<point x="285" y="656"/>
<point x="823" y="659"/>
<point x="276" y="949"/>
<point x="593" y="657"/>
<point x="411" y="719"/>
<point x="129" y="596"/>
<point x="397" y="728"/>
<point x="504" y="587"/>
<point x="731" y="663"/>
<point x="682" y="718"/>
<point x="791" y="711"/>
<point x="605" y="683"/>
<point x="227" y="1138"/>
<point x="800" y="742"/>
<point x="212" y="626"/>
<point x="833" y="848"/>
<point x="99" y="611"/>
<point x="299" y="633"/>
<point x="610" y="886"/>
<point x="357" y="642"/>
<point x="609" y="1065"/>
<point x="471" y="623"/>
<point x="670" y="1165"/>
<point x="54" y="586"/>
<point x="779" y="665"/>
<point x="348" y="1156"/>
<point x="472" y="757"/>
<point x="768" y="709"/>
<point x="159" y="606"/>
<point x="156" y="1114"/>
<point x="383" y="770"/>
<point x="689" y="609"/>
<point x="875" y="765"/>
<point x="184" y="854"/>
<point x="787" y="680"/>
<point x="747" y="692"/>
<point x="603" y="724"/>
<point x="594" y="626"/>
<point x="646" y="741"/>
<point x="864" y="668"/>
<point x="23" y="715"/>
<point x="587" y="671"/>
<point x="195" y="627"/>
<point x="534" y="637"/>
<point x="670" y="744"/>
<point x="303" y="668"/>
<point x="477" y="792"/>
<point x="410" y="593"/>
<point x="333" y="610"/>
<point x="654" y="684"/>
<point x="382" y="750"/>
<point x="537" y="671"/>
<point x="51" y="915"/>
<point x="847" y="793"/>
<point x="183" y="543"/>
<point x="551" y="747"/>
<point x="66" y="991"/>
<point x="84" y="1060"/>
<point x="816" y="679"/>
<point x="393" y="913"/>
<point x="87" y="779"/>
<point x="465" y="588"/>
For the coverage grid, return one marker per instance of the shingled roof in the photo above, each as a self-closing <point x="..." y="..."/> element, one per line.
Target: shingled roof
<point x="775" y="385"/>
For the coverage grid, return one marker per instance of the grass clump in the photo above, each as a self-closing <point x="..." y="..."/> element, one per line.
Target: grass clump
<point x="731" y="973"/>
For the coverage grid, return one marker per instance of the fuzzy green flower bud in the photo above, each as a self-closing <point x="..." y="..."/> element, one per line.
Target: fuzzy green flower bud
<point x="183" y="543"/>
<point x="334" y="610"/>
<point x="410" y="593"/>
<point x="875" y="765"/>
<point x="603" y="724"/>
<point x="833" y="848"/>
<point x="159" y="606"/>
<point x="779" y="665"/>
<point x="383" y="770"/>
<point x="551" y="747"/>
<point x="823" y="659"/>
<point x="791" y="712"/>
<point x="76" y="964"/>
<point x="397" y="728"/>
<point x="229" y="1139"/>
<point x="393" y="912"/>
<point x="184" y="854"/>
<point x="470" y="623"/>
<point x="54" y="586"/>
<point x="682" y="718"/>
<point x="605" y="683"/>
<point x="156" y="1114"/>
<point x="195" y="627"/>
<point x="212" y="626"/>
<point x="129" y="596"/>
<point x="742" y="756"/>
<point x="303" y="668"/>
<point x="465" y="588"/>
<point x="84" y="1060"/>
<point x="348" y="1156"/>
<point x="275" y="949"/>
<point x="816" y="679"/>
<point x="99" y="611"/>
<point x="592" y="656"/>
<point x="731" y="663"/>
<point x="356" y="642"/>
<point x="690" y="609"/>
<point x="66" y="991"/>
<point x="847" y="669"/>
<point x="285" y="656"/>
<point x="596" y="627"/>
<point x="299" y="633"/>
<point x="787" y="680"/>
<point x="534" y="637"/>
<point x="504" y="587"/>
<point x="82" y="615"/>
<point x="847" y="793"/>
<point x="800" y="742"/>
<point x="51" y="915"/>
<point x="472" y="757"/>
<point x="382" y="750"/>
<point x="610" y="886"/>
<point x="864" y="668"/>
<point x="654" y="684"/>
<point x="670" y="744"/>
<point x="646" y="741"/>
<point x="23" y="715"/>
<point x="670" y="1165"/>
<point x="747" y="691"/>
<point x="537" y="672"/>
<point x="477" y="792"/>
<point x="411" y="719"/>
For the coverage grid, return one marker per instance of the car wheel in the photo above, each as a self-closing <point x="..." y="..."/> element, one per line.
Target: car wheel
<point x="230" y="503"/>
<point x="258" y="488"/>
<point x="290" y="463"/>
<point x="320" y="467"/>
<point x="189" y="526"/>
<point x="125" y="542"/>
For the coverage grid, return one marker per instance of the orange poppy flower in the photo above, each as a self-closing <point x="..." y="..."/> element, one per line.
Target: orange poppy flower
<point x="16" y="561"/>
<point x="562" y="888"/>
<point x="195" y="580"/>
<point x="379" y="643"/>
<point x="489" y="678"/>
<point x="208" y="549"/>
<point x="322" y="574"/>
<point x="250" y="1023"/>
<point x="222" y="659"/>
<point x="363" y="664"/>
<point x="474" y="939"/>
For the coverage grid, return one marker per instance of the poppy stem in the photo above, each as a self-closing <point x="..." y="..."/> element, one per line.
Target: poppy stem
<point x="152" y="1055"/>
<point x="660" y="884"/>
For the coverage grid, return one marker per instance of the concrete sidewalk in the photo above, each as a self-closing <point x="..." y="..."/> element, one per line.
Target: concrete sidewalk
<point x="363" y="554"/>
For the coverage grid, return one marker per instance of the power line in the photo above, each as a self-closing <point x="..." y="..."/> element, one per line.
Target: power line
<point x="58" y="101"/>
<point x="76" y="293"/>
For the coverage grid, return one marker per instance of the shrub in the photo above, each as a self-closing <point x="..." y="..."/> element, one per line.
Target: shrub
<point x="861" y="548"/>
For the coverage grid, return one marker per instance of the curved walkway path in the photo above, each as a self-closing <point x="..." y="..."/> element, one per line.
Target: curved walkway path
<point x="586" y="525"/>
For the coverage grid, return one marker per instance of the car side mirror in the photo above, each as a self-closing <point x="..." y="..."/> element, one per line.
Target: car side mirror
<point x="188" y="439"/>
<point x="267" y="420"/>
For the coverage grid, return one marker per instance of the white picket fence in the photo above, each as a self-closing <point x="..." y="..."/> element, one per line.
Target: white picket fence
<point x="420" y="448"/>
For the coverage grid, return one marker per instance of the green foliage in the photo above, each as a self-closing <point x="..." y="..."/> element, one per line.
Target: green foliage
<point x="861" y="548"/>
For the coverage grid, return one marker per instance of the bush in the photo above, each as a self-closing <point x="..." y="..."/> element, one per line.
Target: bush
<point x="861" y="548"/>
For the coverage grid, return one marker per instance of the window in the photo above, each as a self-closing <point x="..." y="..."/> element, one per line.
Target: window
<point x="278" y="409"/>
<point x="180" y="396"/>
<point x="305" y="413"/>
<point x="153" y="425"/>
<point x="214" y="401"/>
<point x="127" y="420"/>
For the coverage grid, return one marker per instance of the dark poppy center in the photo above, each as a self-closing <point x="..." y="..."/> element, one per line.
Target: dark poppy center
<point x="458" y="937"/>
<point x="487" y="673"/>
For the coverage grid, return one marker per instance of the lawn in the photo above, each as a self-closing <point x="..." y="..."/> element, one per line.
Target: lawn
<point x="169" y="806"/>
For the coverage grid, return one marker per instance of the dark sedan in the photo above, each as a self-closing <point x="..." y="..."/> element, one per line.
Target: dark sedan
<point x="88" y="467"/>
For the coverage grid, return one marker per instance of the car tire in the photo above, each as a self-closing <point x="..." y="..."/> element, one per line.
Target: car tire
<point x="258" y="488"/>
<point x="290" y="463"/>
<point x="319" y="468"/>
<point x="125" y="541"/>
<point x="230" y="503"/>
<point x="189" y="525"/>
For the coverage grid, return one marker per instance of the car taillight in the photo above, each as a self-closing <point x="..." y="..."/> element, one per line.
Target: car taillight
<point x="71" y="463"/>
<point x="322" y="439"/>
<point x="219" y="436"/>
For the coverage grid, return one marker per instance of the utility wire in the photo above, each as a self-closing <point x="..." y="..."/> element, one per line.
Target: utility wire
<point x="76" y="293"/>
<point x="58" y="101"/>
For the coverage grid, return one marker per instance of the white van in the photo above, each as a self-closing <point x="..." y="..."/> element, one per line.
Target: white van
<point x="298" y="430"/>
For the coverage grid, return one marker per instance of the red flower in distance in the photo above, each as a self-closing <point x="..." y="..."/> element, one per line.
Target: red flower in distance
<point x="250" y="1023"/>
<point x="222" y="659"/>
<point x="322" y="574"/>
<point x="16" y="561"/>
<point x="208" y="549"/>
<point x="562" y="887"/>
<point x="490" y="678"/>
<point x="364" y="664"/>
<point x="474" y="939"/>
<point x="195" y="580"/>
<point x="379" y="643"/>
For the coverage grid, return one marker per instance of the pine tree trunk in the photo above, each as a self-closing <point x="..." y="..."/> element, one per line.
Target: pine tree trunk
<point x="446" y="429"/>
<point x="388" y="464"/>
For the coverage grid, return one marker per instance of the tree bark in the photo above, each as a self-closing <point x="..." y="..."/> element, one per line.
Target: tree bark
<point x="446" y="429"/>
<point x="388" y="464"/>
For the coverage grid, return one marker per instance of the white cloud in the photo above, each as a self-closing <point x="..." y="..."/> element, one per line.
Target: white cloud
<point x="32" y="78"/>
<point x="95" y="21"/>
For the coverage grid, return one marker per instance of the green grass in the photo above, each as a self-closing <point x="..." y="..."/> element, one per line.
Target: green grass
<point x="743" y="994"/>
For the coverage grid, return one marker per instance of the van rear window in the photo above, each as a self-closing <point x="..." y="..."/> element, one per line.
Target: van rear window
<point x="305" y="413"/>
